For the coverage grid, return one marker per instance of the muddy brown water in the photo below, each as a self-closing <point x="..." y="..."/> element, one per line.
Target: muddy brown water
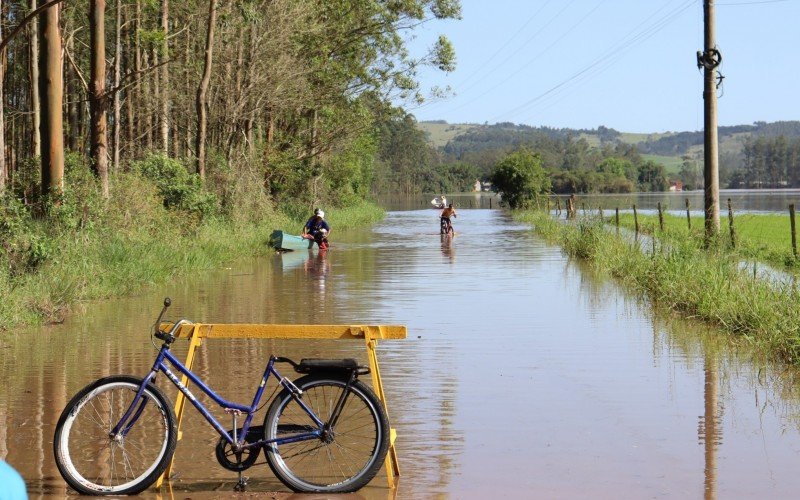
<point x="523" y="374"/>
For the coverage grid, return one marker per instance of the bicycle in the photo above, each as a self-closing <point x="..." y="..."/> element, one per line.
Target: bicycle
<point x="326" y="432"/>
<point x="445" y="226"/>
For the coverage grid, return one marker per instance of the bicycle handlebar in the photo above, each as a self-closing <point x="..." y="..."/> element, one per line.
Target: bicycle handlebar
<point x="167" y="303"/>
<point x="167" y="337"/>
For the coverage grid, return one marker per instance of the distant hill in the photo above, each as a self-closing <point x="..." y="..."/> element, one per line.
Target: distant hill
<point x="668" y="148"/>
<point x="439" y="132"/>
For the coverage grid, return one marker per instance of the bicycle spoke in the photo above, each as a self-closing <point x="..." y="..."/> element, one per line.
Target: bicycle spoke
<point x="98" y="462"/>
<point x="341" y="461"/>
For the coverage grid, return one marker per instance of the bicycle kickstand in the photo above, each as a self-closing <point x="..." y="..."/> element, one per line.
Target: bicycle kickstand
<point x="241" y="485"/>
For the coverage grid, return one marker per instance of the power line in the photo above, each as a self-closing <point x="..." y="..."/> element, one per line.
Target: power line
<point x="480" y="67"/>
<point x="611" y="59"/>
<point x="608" y="57"/>
<point x="497" y="66"/>
<point x="523" y="66"/>
<point x="529" y="39"/>
<point x="750" y="3"/>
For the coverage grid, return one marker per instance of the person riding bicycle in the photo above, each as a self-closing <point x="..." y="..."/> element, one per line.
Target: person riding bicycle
<point x="317" y="229"/>
<point x="446" y="214"/>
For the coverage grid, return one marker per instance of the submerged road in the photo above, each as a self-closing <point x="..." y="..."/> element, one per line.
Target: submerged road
<point x="523" y="375"/>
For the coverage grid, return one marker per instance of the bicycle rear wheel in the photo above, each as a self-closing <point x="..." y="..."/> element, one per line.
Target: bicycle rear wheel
<point x="93" y="463"/>
<point x="348" y="458"/>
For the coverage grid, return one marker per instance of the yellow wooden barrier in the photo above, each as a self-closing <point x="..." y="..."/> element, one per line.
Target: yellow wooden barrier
<point x="196" y="332"/>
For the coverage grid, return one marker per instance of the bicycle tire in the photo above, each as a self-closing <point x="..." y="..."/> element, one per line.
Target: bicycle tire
<point x="361" y="435"/>
<point x="105" y="466"/>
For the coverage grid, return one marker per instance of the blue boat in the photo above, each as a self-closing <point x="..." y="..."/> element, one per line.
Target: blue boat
<point x="282" y="241"/>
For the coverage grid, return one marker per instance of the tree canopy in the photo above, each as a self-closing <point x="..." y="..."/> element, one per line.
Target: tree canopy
<point x="520" y="179"/>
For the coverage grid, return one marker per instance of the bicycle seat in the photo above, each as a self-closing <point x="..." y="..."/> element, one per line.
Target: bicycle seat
<point x="309" y="365"/>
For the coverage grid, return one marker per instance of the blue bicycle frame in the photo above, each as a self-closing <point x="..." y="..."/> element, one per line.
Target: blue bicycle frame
<point x="164" y="355"/>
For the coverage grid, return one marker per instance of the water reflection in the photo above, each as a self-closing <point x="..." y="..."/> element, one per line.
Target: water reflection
<point x="708" y="430"/>
<point x="524" y="374"/>
<point x="447" y="247"/>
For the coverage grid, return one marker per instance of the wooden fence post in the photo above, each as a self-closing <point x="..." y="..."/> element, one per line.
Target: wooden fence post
<point x="660" y="218"/>
<point x="600" y="209"/>
<point x="616" y="216"/>
<point x="794" y="234"/>
<point x="635" y="220"/>
<point x="730" y="224"/>
<point x="688" y="217"/>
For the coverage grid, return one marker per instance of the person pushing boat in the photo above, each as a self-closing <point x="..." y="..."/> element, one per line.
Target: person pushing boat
<point x="317" y="229"/>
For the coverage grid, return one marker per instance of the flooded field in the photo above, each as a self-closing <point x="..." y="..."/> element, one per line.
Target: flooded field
<point x="523" y="375"/>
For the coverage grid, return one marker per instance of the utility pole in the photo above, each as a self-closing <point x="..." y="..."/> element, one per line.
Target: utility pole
<point x="709" y="60"/>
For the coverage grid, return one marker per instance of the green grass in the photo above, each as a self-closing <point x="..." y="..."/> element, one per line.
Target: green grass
<point x="439" y="134"/>
<point x="135" y="243"/>
<point x="761" y="237"/>
<point x="696" y="283"/>
<point x="672" y="164"/>
<point x="635" y="138"/>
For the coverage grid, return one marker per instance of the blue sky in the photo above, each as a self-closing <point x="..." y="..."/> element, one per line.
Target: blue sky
<point x="626" y="64"/>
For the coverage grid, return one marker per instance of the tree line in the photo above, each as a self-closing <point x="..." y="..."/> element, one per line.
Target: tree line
<point x="769" y="162"/>
<point x="571" y="162"/>
<point x="292" y="92"/>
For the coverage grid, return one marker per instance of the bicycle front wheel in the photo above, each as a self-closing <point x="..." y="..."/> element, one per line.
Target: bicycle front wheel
<point x="91" y="461"/>
<point x="344" y="460"/>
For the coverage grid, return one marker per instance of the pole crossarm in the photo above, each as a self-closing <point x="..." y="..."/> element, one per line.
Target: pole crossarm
<point x="195" y="332"/>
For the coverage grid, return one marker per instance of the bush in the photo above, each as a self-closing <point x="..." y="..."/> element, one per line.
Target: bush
<point x="179" y="189"/>
<point x="520" y="178"/>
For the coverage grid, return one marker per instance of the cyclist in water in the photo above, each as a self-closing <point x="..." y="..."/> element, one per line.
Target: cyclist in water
<point x="445" y="217"/>
<point x="317" y="229"/>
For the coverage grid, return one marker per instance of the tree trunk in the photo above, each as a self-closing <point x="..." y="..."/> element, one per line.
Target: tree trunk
<point x="74" y="105"/>
<point x="145" y="111"/>
<point x="51" y="91"/>
<point x="188" y="92"/>
<point x="200" y="102"/>
<point x="135" y="97"/>
<point x="36" y="138"/>
<point x="269" y="137"/>
<point x="98" y="151"/>
<point x="164" y="115"/>
<point x="117" y="77"/>
<point x="3" y="167"/>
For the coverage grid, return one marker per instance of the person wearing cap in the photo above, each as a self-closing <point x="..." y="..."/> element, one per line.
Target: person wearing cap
<point x="317" y="229"/>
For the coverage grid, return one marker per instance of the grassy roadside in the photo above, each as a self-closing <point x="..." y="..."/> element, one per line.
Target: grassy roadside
<point x="760" y="237"/>
<point x="89" y="248"/>
<point x="701" y="285"/>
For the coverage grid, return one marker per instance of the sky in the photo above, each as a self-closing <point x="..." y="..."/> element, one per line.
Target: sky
<point x="630" y="65"/>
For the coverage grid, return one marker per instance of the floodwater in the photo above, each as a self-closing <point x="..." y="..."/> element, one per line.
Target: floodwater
<point x="523" y="374"/>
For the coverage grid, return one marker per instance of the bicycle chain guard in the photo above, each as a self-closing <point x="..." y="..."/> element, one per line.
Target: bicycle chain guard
<point x="226" y="456"/>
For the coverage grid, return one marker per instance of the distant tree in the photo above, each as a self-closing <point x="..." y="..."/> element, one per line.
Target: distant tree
<point x="616" y="166"/>
<point x="691" y="174"/>
<point x="652" y="177"/>
<point x="403" y="148"/>
<point x="520" y="178"/>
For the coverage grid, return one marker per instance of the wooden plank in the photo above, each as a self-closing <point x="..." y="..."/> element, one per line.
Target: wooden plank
<point x="277" y="331"/>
